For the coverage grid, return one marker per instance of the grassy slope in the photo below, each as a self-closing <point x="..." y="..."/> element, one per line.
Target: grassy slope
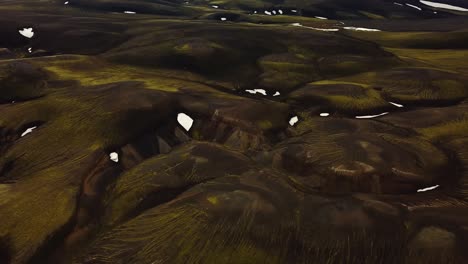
<point x="151" y="66"/>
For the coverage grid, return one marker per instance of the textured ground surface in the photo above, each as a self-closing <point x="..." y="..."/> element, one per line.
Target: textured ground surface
<point x="242" y="185"/>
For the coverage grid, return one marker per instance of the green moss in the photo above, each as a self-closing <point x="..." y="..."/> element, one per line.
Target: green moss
<point x="371" y="15"/>
<point x="167" y="175"/>
<point x="441" y="90"/>
<point x="419" y="85"/>
<point x="213" y="200"/>
<point x="451" y="89"/>
<point x="373" y="100"/>
<point x="193" y="229"/>
<point x="448" y="59"/>
<point x="183" y="48"/>
<point x="285" y="71"/>
<point x="429" y="157"/>
<point x="90" y="71"/>
<point x="453" y="129"/>
<point x="265" y="124"/>
<point x="302" y="52"/>
<point x="47" y="200"/>
<point x="237" y="3"/>
<point x="345" y="97"/>
<point x="415" y="40"/>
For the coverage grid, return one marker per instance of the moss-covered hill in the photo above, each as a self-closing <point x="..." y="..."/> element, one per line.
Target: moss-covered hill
<point x="324" y="131"/>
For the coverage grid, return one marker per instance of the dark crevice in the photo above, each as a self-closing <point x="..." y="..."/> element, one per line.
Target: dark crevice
<point x="5" y="250"/>
<point x="450" y="185"/>
<point x="7" y="167"/>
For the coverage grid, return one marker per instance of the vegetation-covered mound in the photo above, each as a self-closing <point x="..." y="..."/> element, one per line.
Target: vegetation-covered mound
<point x="233" y="131"/>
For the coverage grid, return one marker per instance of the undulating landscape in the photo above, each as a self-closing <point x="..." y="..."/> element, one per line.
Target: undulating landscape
<point x="233" y="131"/>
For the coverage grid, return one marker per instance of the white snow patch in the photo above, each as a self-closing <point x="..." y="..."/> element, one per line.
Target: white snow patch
<point x="413" y="6"/>
<point x="444" y="6"/>
<point x="274" y="12"/>
<point x="428" y="188"/>
<point x="398" y="4"/>
<point x="66" y="3"/>
<point x="255" y="91"/>
<point x="362" y="29"/>
<point x="267" y="13"/>
<point x="27" y="131"/>
<point x="371" y="116"/>
<point x="293" y="120"/>
<point x="280" y="11"/>
<point x="129" y="12"/>
<point x="294" y="10"/>
<point x="223" y="19"/>
<point x="29" y="50"/>
<point x="324" y="114"/>
<point x="215" y="6"/>
<point x="185" y="121"/>
<point x="277" y="94"/>
<point x="114" y="156"/>
<point x="27" y="32"/>
<point x="395" y="104"/>
<point x="319" y="17"/>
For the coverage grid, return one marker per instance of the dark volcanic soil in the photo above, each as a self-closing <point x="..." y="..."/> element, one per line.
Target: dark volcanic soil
<point x="311" y="141"/>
